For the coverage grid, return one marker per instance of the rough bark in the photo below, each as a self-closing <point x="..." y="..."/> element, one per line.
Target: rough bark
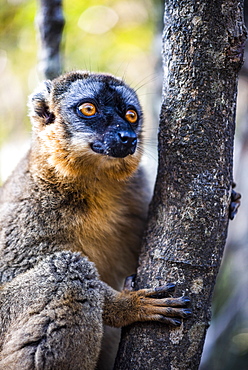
<point x="51" y="22"/>
<point x="202" y="53"/>
<point x="230" y="312"/>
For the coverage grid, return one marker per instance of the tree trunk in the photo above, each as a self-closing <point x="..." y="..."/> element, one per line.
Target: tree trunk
<point x="51" y="23"/>
<point x="202" y="53"/>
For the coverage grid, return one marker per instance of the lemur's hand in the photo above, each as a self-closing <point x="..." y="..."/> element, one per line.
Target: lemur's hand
<point x="145" y="305"/>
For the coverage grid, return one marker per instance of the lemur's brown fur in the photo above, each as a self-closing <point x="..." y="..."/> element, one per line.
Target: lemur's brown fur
<point x="64" y="206"/>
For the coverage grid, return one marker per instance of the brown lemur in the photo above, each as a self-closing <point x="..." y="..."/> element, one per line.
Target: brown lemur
<point x="72" y="216"/>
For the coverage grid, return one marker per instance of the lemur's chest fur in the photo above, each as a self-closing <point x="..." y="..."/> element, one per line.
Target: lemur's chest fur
<point x="107" y="227"/>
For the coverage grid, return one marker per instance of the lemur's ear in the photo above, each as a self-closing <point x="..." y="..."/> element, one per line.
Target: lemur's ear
<point x="39" y="103"/>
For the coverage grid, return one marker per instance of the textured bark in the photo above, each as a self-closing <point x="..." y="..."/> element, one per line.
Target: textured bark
<point x="51" y="23"/>
<point x="202" y="53"/>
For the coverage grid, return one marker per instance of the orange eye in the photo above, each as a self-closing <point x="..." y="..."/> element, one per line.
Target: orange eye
<point x="88" y="109"/>
<point x="131" y="116"/>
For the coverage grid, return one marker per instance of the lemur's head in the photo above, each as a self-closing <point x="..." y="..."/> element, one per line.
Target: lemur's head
<point x="86" y="123"/>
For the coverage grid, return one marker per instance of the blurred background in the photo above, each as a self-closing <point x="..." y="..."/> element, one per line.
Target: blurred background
<point x="116" y="36"/>
<point x="123" y="37"/>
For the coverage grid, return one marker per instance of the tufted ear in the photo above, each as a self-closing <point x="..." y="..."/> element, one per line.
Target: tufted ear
<point x="39" y="103"/>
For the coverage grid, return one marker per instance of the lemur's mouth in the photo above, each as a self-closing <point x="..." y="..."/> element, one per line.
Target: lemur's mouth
<point x="117" y="145"/>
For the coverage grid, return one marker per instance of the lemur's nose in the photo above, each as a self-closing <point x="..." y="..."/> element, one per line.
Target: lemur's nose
<point x="128" y="139"/>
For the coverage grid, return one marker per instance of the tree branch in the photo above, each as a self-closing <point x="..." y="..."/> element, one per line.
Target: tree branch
<point x="202" y="53"/>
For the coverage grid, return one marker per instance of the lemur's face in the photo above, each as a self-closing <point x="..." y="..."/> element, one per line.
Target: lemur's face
<point x="83" y="120"/>
<point x="106" y="113"/>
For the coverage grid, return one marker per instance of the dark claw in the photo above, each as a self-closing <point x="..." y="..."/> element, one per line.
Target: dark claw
<point x="129" y="282"/>
<point x="164" y="290"/>
<point x="187" y="313"/>
<point x="186" y="300"/>
<point x="235" y="203"/>
<point x="177" y="322"/>
<point x="170" y="287"/>
<point x="171" y="321"/>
